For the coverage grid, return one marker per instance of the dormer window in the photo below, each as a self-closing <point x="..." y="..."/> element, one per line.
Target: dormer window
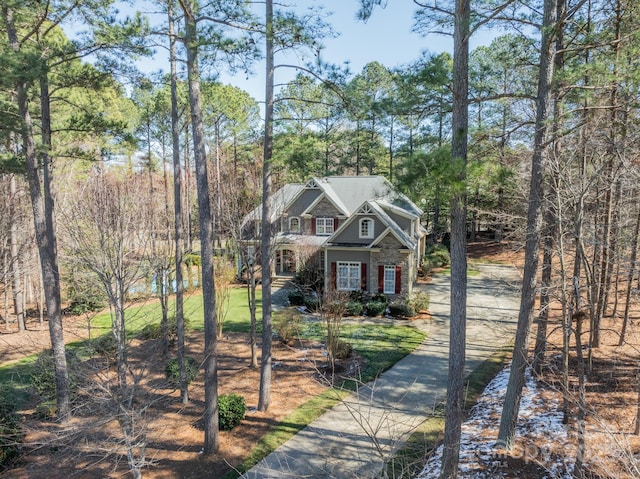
<point x="366" y="228"/>
<point x="324" y="226"/>
<point x="294" y="224"/>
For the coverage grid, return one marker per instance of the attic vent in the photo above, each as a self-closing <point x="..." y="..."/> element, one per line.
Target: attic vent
<point x="312" y="185"/>
<point x="365" y="210"/>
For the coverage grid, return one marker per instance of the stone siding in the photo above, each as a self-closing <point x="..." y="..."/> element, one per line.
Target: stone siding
<point x="324" y="209"/>
<point x="390" y="253"/>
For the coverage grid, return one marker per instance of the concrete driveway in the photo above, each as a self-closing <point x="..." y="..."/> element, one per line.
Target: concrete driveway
<point x="355" y="438"/>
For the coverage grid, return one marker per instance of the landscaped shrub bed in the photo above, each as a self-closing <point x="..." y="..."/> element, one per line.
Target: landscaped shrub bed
<point x="375" y="305"/>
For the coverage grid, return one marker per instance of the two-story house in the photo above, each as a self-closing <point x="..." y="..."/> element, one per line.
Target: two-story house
<point x="359" y="230"/>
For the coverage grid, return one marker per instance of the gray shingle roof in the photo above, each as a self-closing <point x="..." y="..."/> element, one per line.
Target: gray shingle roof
<point x="279" y="201"/>
<point x="347" y="192"/>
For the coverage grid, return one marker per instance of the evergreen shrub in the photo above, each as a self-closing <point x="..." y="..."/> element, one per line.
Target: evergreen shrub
<point x="43" y="376"/>
<point x="401" y="309"/>
<point x="353" y="308"/>
<point x="438" y="255"/>
<point x="375" y="308"/>
<point x="231" y="411"/>
<point x="296" y="297"/>
<point x="172" y="370"/>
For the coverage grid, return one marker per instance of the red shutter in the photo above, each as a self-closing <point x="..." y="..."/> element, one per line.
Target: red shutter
<point x="334" y="275"/>
<point x="381" y="279"/>
<point x="335" y="224"/>
<point x="363" y="276"/>
<point x="313" y="225"/>
<point x="398" y="279"/>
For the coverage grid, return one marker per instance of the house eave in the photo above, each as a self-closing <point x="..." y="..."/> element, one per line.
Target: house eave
<point x="352" y="248"/>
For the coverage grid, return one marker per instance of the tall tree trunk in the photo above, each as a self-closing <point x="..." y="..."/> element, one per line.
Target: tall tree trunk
<point x="16" y="285"/>
<point x="506" y="434"/>
<point x="177" y="199"/>
<point x="552" y="214"/>
<point x="254" y="321"/>
<point x="578" y="471"/>
<point x="632" y="271"/>
<point x="42" y="205"/>
<point x="265" y="247"/>
<point x="47" y="244"/>
<point x="458" y="316"/>
<point x="550" y="227"/>
<point x="211" y="436"/>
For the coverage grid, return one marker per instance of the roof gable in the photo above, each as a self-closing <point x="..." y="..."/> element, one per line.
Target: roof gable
<point x="371" y="208"/>
<point x="346" y="193"/>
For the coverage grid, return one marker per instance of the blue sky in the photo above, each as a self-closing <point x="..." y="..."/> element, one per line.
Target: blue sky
<point x="386" y="37"/>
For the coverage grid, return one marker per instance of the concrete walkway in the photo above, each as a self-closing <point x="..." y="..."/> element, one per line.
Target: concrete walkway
<point x="354" y="439"/>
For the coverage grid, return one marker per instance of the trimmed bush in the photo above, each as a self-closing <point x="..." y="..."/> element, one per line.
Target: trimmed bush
<point x="11" y="433"/>
<point x="375" y="308"/>
<point x="438" y="255"/>
<point x="426" y="267"/>
<point x="296" y="297"/>
<point x="353" y="308"/>
<point x="288" y="324"/>
<point x="172" y="370"/>
<point x="401" y="309"/>
<point x="379" y="298"/>
<point x="419" y="301"/>
<point x="231" y="411"/>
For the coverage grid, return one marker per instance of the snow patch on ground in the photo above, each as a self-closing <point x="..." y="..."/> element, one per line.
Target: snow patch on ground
<point x="542" y="439"/>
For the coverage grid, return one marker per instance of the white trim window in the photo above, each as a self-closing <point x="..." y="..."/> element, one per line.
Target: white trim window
<point x="324" y="226"/>
<point x="348" y="276"/>
<point x="366" y="228"/>
<point x="389" y="279"/>
<point x="294" y="224"/>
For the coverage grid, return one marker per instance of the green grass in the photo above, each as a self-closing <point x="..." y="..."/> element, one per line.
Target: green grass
<point x="410" y="459"/>
<point x="138" y="316"/>
<point x="294" y="422"/>
<point x="15" y="376"/>
<point x="15" y="380"/>
<point x="472" y="270"/>
<point x="382" y="346"/>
